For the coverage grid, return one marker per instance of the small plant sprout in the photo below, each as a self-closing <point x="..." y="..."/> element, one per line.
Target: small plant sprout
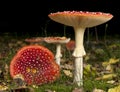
<point x="35" y="64"/>
<point x="80" y="20"/>
<point x="58" y="41"/>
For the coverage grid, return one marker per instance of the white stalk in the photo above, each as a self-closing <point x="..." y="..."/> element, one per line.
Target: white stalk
<point x="78" y="73"/>
<point x="58" y="54"/>
<point x="79" y="50"/>
<point x="78" y="53"/>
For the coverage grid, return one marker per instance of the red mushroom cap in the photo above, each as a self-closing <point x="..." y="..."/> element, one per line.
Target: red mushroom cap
<point x="80" y="18"/>
<point x="56" y="40"/>
<point x="70" y="45"/>
<point x="36" y="64"/>
<point x="34" y="39"/>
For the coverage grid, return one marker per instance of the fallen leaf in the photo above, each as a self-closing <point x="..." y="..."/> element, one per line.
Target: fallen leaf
<point x="98" y="90"/>
<point x="109" y="68"/>
<point x="78" y="90"/>
<point x="68" y="73"/>
<point x="67" y="66"/>
<point x="115" y="89"/>
<point x="3" y="88"/>
<point x="111" y="61"/>
<point x="111" y="82"/>
<point x="107" y="76"/>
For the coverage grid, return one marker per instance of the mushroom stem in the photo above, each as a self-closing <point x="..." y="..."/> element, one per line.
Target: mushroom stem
<point x="78" y="73"/>
<point x="79" y="50"/>
<point x="78" y="53"/>
<point x="58" y="54"/>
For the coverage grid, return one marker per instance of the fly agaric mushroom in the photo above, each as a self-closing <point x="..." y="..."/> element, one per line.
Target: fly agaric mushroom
<point x="80" y="20"/>
<point x="34" y="39"/>
<point x="36" y="64"/>
<point x="70" y="46"/>
<point x="58" y="41"/>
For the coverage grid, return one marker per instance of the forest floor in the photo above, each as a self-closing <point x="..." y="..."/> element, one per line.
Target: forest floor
<point x="101" y="66"/>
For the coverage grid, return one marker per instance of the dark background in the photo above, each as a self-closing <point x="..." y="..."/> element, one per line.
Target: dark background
<point x="32" y="16"/>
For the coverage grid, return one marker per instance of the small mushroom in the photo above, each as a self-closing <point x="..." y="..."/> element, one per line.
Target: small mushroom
<point x="34" y="40"/>
<point x="36" y="64"/>
<point x="80" y="20"/>
<point x="70" y="45"/>
<point x="58" y="41"/>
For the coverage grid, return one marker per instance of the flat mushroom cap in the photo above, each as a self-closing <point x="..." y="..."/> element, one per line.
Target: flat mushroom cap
<point x="34" y="39"/>
<point x="56" y="40"/>
<point x="80" y="18"/>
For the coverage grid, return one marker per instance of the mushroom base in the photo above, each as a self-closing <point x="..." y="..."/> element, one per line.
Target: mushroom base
<point x="78" y="72"/>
